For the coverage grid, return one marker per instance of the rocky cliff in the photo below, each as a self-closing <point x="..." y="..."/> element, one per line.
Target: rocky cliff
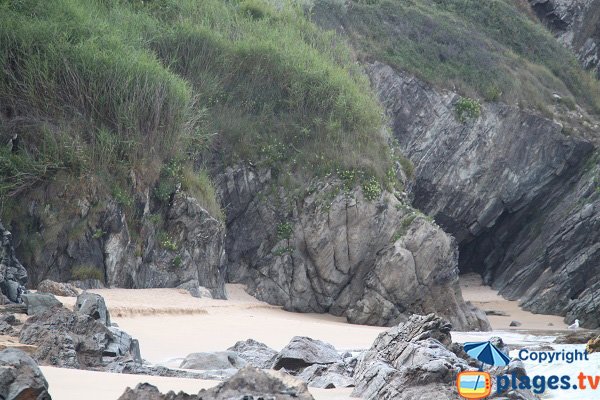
<point x="334" y="250"/>
<point x="510" y="185"/>
<point x="576" y="24"/>
<point x="141" y="244"/>
<point x="12" y="273"/>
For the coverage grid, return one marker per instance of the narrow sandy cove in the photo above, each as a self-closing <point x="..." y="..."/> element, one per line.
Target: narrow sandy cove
<point x="170" y="324"/>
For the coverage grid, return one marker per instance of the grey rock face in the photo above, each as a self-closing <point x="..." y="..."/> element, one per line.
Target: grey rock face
<point x="186" y="250"/>
<point x="20" y="377"/>
<point x="257" y="354"/>
<point x="512" y="189"/>
<point x="66" y="339"/>
<point x="57" y="289"/>
<point x="93" y="305"/>
<point x="213" y="361"/>
<point x="248" y="383"/>
<point x="327" y="376"/>
<point x="374" y="262"/>
<point x="302" y="352"/>
<point x="77" y="340"/>
<point x="410" y="361"/>
<point x="575" y="25"/>
<point x="174" y="244"/>
<point x="12" y="273"/>
<point x="39" y="303"/>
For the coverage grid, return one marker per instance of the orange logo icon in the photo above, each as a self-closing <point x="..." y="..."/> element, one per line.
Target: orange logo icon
<point x="474" y="384"/>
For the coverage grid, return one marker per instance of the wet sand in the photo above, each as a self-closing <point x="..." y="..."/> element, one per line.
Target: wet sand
<point x="487" y="299"/>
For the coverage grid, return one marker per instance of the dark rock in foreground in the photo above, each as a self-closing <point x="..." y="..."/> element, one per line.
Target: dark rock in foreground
<point x="248" y="383"/>
<point x="257" y="354"/>
<point x="213" y="361"/>
<point x="12" y="274"/>
<point x="39" y="303"/>
<point x="302" y="352"/>
<point x="20" y="377"/>
<point x="78" y="339"/>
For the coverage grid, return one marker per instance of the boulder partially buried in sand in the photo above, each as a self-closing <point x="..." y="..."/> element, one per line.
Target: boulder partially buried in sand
<point x="302" y="352"/>
<point x="248" y="383"/>
<point x="20" y="377"/>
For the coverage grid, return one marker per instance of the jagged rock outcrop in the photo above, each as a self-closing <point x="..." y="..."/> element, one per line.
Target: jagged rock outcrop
<point x="255" y="353"/>
<point x="576" y="24"/>
<point x="12" y="273"/>
<point x="413" y="361"/>
<point x="302" y="352"/>
<point x="168" y="245"/>
<point x="213" y="361"/>
<point x="373" y="261"/>
<point x="512" y="188"/>
<point x="78" y="339"/>
<point x="248" y="383"/>
<point x="410" y="361"/>
<point x="39" y="303"/>
<point x="20" y="377"/>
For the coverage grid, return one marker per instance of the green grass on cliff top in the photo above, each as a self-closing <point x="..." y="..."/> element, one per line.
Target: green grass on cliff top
<point x="104" y="86"/>
<point x="491" y="49"/>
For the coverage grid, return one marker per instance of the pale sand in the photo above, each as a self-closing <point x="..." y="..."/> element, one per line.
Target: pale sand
<point x="488" y="299"/>
<point x="170" y="324"/>
<point x="70" y="384"/>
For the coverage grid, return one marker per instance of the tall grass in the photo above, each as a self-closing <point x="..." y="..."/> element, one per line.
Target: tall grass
<point x="135" y="81"/>
<point x="490" y="49"/>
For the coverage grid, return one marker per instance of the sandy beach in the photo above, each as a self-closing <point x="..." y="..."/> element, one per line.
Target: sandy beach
<point x="487" y="299"/>
<point x="170" y="324"/>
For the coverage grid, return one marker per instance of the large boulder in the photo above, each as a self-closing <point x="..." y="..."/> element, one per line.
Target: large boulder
<point x="12" y="274"/>
<point x="410" y="361"/>
<point x="372" y="259"/>
<point x="257" y="354"/>
<point x="327" y="376"/>
<point x="213" y="361"/>
<point x="39" y="303"/>
<point x="77" y="340"/>
<point x="66" y="339"/>
<point x="57" y="288"/>
<point x="20" y="377"/>
<point x="93" y="305"/>
<point x="302" y="352"/>
<point x="248" y="383"/>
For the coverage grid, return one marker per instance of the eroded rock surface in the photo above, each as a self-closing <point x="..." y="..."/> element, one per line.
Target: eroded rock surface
<point x="20" y="377"/>
<point x="374" y="261"/>
<point x="255" y="353"/>
<point x="57" y="288"/>
<point x="248" y="383"/>
<point x="515" y="191"/>
<point x="12" y="273"/>
<point x="575" y="23"/>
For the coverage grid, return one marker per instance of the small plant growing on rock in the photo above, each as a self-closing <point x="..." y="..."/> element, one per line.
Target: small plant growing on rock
<point x="467" y="109"/>
<point x="177" y="261"/>
<point x="98" y="233"/>
<point x="371" y="189"/>
<point x="167" y="242"/>
<point x="284" y="230"/>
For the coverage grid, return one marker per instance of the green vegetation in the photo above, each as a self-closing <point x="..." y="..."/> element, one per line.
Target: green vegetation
<point x="490" y="49"/>
<point x="163" y="87"/>
<point x="285" y="230"/>
<point x="167" y="242"/>
<point x="84" y="272"/>
<point x="467" y="109"/>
